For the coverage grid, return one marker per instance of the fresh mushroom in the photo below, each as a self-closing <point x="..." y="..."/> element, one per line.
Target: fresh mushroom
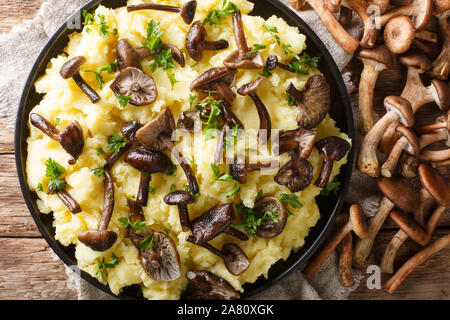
<point x="435" y="155"/>
<point x="204" y="285"/>
<point x="271" y="227"/>
<point x="196" y="42"/>
<point x="345" y="16"/>
<point x="408" y="143"/>
<point x="361" y="8"/>
<point x="265" y="123"/>
<point x="137" y="85"/>
<point x="396" y="192"/>
<point x="418" y="10"/>
<point x="441" y="66"/>
<point x="148" y="162"/>
<point x="345" y="261"/>
<point x="186" y="11"/>
<point x="71" y="69"/>
<point x="398" y="110"/>
<point x="435" y="184"/>
<point x="355" y="222"/>
<point x="241" y="59"/>
<point x="239" y="169"/>
<point x="127" y="56"/>
<point x="399" y="34"/>
<point x="313" y="102"/>
<point x="102" y="239"/>
<point x="397" y="279"/>
<point x="297" y="4"/>
<point x="181" y="199"/>
<point x="157" y="135"/>
<point x="298" y="142"/>
<point x="296" y="175"/>
<point x="234" y="259"/>
<point x="70" y="138"/>
<point x="375" y="60"/>
<point x="333" y="149"/>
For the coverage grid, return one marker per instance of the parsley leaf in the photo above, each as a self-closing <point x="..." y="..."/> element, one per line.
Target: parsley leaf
<point x="266" y="72"/>
<point x="100" y="151"/>
<point x="290" y="199"/>
<point x="256" y="47"/>
<point x="53" y="169"/>
<point x="172" y="172"/>
<point x="154" y="33"/>
<point x="289" y="99"/>
<point x="115" y="143"/>
<point x="172" y="187"/>
<point x="253" y="219"/>
<point x="57" y="121"/>
<point x="211" y="124"/>
<point x="147" y="243"/>
<point x="332" y="186"/>
<point x="230" y="139"/>
<point x="99" y="172"/>
<point x="110" y="67"/>
<point x="273" y="32"/>
<point x="39" y="187"/>
<point x="136" y="226"/>
<point x="102" y="264"/>
<point x="123" y="100"/>
<point x="98" y="77"/>
<point x="215" y="16"/>
<point x="96" y="20"/>
<point x="232" y="192"/>
<point x="152" y="190"/>
<point x="259" y="195"/>
<point x="221" y="176"/>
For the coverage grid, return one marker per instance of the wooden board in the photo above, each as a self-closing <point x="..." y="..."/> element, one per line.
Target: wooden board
<point x="28" y="270"/>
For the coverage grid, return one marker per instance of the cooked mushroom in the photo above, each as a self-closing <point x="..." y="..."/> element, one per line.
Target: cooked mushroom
<point x="204" y="285"/>
<point x="271" y="227"/>
<point x="212" y="223"/>
<point x="265" y="124"/>
<point x="298" y="142"/>
<point x="418" y="10"/>
<point x="148" y="162"/>
<point x="355" y="221"/>
<point x="398" y="110"/>
<point x="129" y="130"/>
<point x="441" y="66"/>
<point x="241" y="59"/>
<point x="216" y="80"/>
<point x="396" y="192"/>
<point x="272" y="63"/>
<point x="71" y="69"/>
<point x="408" y="143"/>
<point x="296" y="175"/>
<point x="157" y="135"/>
<point x="181" y="199"/>
<point x="127" y="56"/>
<point x="67" y="199"/>
<point x="189" y="121"/>
<point x="396" y="280"/>
<point x="333" y="149"/>
<point x="70" y="138"/>
<point x="137" y="85"/>
<point x="186" y="11"/>
<point x="234" y="259"/>
<point x="239" y="168"/>
<point x="399" y="34"/>
<point x="196" y="42"/>
<point x="102" y="239"/>
<point x="177" y="55"/>
<point x="375" y="60"/>
<point x="313" y="102"/>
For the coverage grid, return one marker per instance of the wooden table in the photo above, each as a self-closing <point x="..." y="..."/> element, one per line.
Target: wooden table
<point x="29" y="270"/>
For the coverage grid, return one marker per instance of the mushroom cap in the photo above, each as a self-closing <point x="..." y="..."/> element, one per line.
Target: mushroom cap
<point x="297" y="175"/>
<point x="416" y="61"/>
<point x="423" y="15"/>
<point x="358" y="221"/>
<point x="271" y="62"/>
<point x="235" y="61"/>
<point x="129" y="130"/>
<point x="300" y="140"/>
<point x="441" y="93"/>
<point x="440" y="6"/>
<point x="137" y="85"/>
<point x="179" y="198"/>
<point x="149" y="161"/>
<point x="189" y="121"/>
<point x="333" y="148"/>
<point x="212" y="223"/>
<point x="400" y="192"/>
<point x="98" y="240"/>
<point x="127" y="56"/>
<point x="207" y="81"/>
<point x="162" y="126"/>
<point x="235" y="259"/>
<point x="162" y="261"/>
<point x="177" y="55"/>
<point x="72" y="140"/>
<point x="435" y="184"/>
<point x="250" y="88"/>
<point x="399" y="34"/>
<point x="378" y="54"/>
<point x="194" y="40"/>
<point x="187" y="11"/>
<point x="402" y="107"/>
<point x="313" y="102"/>
<point x="72" y="67"/>
<point x="238" y="171"/>
<point x="135" y="213"/>
<point x="204" y="285"/>
<point x="271" y="229"/>
<point x="413" y="147"/>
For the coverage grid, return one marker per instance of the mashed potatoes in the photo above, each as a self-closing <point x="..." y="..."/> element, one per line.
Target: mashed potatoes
<point x="63" y="100"/>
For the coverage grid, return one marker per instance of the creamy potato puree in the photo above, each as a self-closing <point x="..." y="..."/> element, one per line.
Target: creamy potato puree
<point x="64" y="100"/>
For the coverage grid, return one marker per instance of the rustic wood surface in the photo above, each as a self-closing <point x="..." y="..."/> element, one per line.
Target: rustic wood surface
<point x="28" y="269"/>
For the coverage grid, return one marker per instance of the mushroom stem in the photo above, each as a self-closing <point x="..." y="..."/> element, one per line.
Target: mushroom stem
<point x="239" y="35"/>
<point x="324" y="174"/>
<point x="42" y="124"/>
<point x="142" y="194"/>
<point x="345" y="16"/>
<point x="153" y="6"/>
<point x="236" y="233"/>
<point x="108" y="206"/>
<point x="430" y="128"/>
<point x="387" y="262"/>
<point x="92" y="95"/>
<point x="435" y="155"/>
<point x="388" y="167"/>
<point x="184" y="218"/>
<point x="439" y="164"/>
<point x="345" y="261"/>
<point x="370" y="31"/>
<point x="441" y="66"/>
<point x="429" y="138"/>
<point x="364" y="246"/>
<point x="265" y="125"/>
<point x="226" y="92"/>
<point x="114" y="157"/>
<point x="69" y="201"/>
<point x="397" y="279"/>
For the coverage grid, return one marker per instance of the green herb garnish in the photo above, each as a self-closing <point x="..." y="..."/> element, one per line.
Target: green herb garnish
<point x="172" y="172"/>
<point x="102" y="264"/>
<point x="266" y="72"/>
<point x="253" y="219"/>
<point x="152" y="190"/>
<point x="256" y="47"/>
<point x="57" y="121"/>
<point x="273" y="32"/>
<point x="96" y="20"/>
<point x="215" y="16"/>
<point x="221" y="176"/>
<point x="99" y="172"/>
<point x="259" y="195"/>
<point x="39" y="187"/>
<point x="331" y="187"/>
<point x="100" y="151"/>
<point x="232" y="192"/>
<point x="123" y="100"/>
<point x="290" y="199"/>
<point x="54" y="170"/>
<point x="136" y="226"/>
<point x="147" y="243"/>
<point x="290" y="99"/>
<point x="172" y="187"/>
<point x="115" y="143"/>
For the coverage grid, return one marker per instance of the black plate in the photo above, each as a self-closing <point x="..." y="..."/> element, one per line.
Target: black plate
<point x="329" y="206"/>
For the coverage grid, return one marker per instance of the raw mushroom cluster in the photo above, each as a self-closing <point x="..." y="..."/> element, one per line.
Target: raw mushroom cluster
<point x="145" y="146"/>
<point x="416" y="35"/>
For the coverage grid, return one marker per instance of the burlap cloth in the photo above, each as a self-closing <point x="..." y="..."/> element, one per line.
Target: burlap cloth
<point x="19" y="49"/>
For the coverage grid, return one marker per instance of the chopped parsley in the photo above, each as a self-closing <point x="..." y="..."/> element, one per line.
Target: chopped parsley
<point x="256" y="47"/>
<point x="212" y="125"/>
<point x="273" y="32"/>
<point x="110" y="68"/>
<point x="96" y="20"/>
<point x="54" y="170"/>
<point x="172" y="172"/>
<point x="232" y="192"/>
<point x="100" y="151"/>
<point x="152" y="190"/>
<point x="173" y="187"/>
<point x="290" y="99"/>
<point x="215" y="16"/>
<point x="39" y="187"/>
<point x="99" y="172"/>
<point x="266" y="72"/>
<point x="331" y="187"/>
<point x="102" y="264"/>
<point x="115" y="143"/>
<point x="218" y="176"/>
<point x="123" y="100"/>
<point x="290" y="199"/>
<point x="147" y="243"/>
<point x="230" y="139"/>
<point x="253" y="219"/>
<point x="57" y="121"/>
<point x="259" y="195"/>
<point x="187" y="188"/>
<point x="136" y="226"/>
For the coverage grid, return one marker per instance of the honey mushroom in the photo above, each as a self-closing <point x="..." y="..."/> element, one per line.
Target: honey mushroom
<point x="196" y="42"/>
<point x="186" y="11"/>
<point x="204" y="285"/>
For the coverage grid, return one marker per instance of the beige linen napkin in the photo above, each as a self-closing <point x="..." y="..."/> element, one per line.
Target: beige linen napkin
<point x="23" y="43"/>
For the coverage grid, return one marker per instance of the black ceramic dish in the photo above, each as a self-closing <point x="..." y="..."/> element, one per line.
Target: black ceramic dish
<point x="329" y="206"/>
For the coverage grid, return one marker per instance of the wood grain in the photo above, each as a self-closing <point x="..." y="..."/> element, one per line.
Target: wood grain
<point x="13" y="12"/>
